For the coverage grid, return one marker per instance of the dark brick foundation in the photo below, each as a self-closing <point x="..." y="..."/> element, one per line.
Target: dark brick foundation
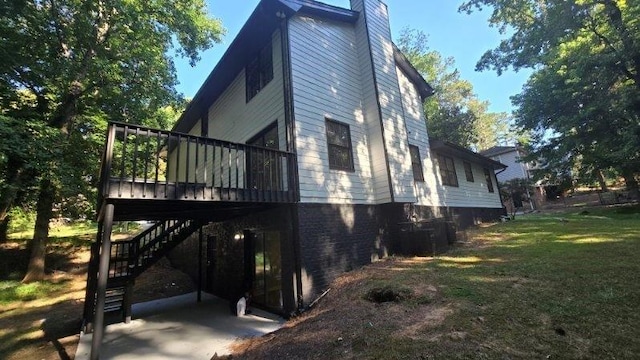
<point x="333" y="239"/>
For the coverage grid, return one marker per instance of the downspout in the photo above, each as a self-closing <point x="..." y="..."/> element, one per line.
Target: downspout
<point x="289" y="119"/>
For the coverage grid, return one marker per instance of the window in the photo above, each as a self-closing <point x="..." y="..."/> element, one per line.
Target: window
<point x="259" y="72"/>
<point x="487" y="176"/>
<point x="467" y="171"/>
<point x="447" y="171"/>
<point x="264" y="171"/>
<point x="416" y="163"/>
<point x="339" y="146"/>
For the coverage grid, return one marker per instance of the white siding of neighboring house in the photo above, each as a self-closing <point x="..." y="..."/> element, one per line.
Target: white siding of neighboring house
<point x="232" y="119"/>
<point x="431" y="192"/>
<point x="391" y="109"/>
<point x="326" y="84"/>
<point x="515" y="169"/>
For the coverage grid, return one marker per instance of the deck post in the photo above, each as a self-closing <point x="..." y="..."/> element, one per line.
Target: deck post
<point x="127" y="301"/>
<point x="103" y="274"/>
<point x="200" y="265"/>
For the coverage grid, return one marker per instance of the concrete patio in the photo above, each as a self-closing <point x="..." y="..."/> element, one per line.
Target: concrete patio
<point x="179" y="328"/>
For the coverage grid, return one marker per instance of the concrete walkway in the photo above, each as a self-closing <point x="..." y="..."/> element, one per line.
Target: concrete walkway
<point x="179" y="328"/>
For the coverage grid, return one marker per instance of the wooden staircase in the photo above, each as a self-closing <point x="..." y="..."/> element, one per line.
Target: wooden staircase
<point x="128" y="259"/>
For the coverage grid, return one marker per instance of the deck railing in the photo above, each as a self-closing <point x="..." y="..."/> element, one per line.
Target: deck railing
<point x="145" y="163"/>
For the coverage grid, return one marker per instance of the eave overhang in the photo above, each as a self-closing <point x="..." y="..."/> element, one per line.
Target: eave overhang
<point x="424" y="89"/>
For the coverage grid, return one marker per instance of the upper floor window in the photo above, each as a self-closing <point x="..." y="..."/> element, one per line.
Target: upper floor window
<point x="447" y="171"/>
<point x="259" y="72"/>
<point x="487" y="176"/>
<point x="467" y="171"/>
<point x="416" y="163"/>
<point x="339" y="145"/>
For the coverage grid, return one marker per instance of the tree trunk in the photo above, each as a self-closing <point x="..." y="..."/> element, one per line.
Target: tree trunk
<point x="13" y="183"/>
<point x="601" y="180"/>
<point x="4" y="229"/>
<point x="35" y="270"/>
<point x="632" y="184"/>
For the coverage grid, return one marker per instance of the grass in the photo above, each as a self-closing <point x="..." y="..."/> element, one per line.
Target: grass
<point x="13" y="291"/>
<point x="564" y="285"/>
<point x="559" y="286"/>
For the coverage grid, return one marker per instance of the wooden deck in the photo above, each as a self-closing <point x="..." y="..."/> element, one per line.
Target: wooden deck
<point x="156" y="174"/>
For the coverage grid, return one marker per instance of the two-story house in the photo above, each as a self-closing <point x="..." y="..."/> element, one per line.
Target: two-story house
<point x="511" y="156"/>
<point x="296" y="161"/>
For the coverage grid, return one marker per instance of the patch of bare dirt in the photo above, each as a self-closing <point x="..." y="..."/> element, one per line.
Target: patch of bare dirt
<point x="49" y="328"/>
<point x="344" y="320"/>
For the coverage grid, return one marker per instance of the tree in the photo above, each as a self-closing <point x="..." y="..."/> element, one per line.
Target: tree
<point x="582" y="103"/>
<point x="454" y="113"/>
<point x="82" y="63"/>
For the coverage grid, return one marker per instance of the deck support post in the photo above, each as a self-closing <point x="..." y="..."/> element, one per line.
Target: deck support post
<point x="200" y="265"/>
<point x="103" y="275"/>
<point x="127" y="300"/>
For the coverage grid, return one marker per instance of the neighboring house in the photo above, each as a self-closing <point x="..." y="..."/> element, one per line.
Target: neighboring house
<point x="516" y="169"/>
<point x="298" y="159"/>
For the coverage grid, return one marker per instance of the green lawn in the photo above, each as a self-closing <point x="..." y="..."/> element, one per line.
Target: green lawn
<point x="545" y="286"/>
<point x="564" y="285"/>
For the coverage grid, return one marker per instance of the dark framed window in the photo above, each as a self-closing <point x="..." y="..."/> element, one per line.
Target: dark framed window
<point x="447" y="171"/>
<point x="487" y="176"/>
<point x="468" y="173"/>
<point x="259" y="72"/>
<point x="416" y="163"/>
<point x="339" y="145"/>
<point x="267" y="138"/>
<point x="264" y="169"/>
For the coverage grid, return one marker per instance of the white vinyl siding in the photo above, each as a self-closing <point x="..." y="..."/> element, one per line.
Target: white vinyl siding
<point x="515" y="169"/>
<point x="432" y="192"/>
<point x="391" y="109"/>
<point x="469" y="194"/>
<point x="326" y="84"/>
<point x="415" y="120"/>
<point x="379" y="169"/>
<point x="232" y="118"/>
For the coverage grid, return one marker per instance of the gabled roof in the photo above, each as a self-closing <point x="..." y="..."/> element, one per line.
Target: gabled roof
<point x="445" y="147"/>
<point x="497" y="150"/>
<point x="253" y="36"/>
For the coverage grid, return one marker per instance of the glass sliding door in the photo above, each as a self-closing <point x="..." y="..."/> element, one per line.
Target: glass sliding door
<point x="267" y="279"/>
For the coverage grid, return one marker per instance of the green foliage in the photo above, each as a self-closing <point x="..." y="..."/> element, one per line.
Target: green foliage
<point x="21" y="220"/>
<point x="454" y="113"/>
<point x="582" y="103"/>
<point x="73" y="65"/>
<point x="12" y="291"/>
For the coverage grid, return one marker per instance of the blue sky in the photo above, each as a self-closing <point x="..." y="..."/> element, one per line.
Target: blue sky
<point x="461" y="36"/>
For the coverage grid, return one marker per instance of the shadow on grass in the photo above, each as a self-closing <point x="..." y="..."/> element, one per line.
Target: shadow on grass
<point x="41" y="325"/>
<point x="14" y="256"/>
<point x="566" y="288"/>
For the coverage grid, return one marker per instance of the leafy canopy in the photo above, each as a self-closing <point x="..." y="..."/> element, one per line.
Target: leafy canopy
<point x="73" y="65"/>
<point x="454" y="113"/>
<point x="582" y="103"/>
